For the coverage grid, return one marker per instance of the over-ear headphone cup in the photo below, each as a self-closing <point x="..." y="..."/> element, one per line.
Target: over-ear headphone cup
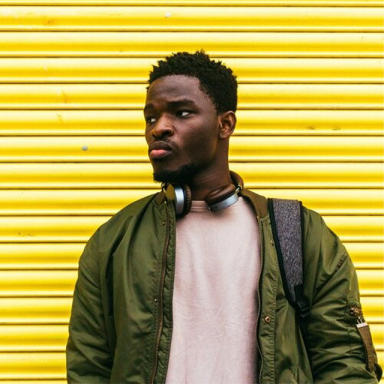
<point x="220" y="194"/>
<point x="217" y="200"/>
<point x="188" y="199"/>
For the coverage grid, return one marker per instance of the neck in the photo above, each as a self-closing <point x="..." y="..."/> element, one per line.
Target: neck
<point x="206" y="181"/>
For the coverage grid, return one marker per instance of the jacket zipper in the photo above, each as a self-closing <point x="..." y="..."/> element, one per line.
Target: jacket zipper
<point x="259" y="299"/>
<point x="358" y="313"/>
<point x="160" y="301"/>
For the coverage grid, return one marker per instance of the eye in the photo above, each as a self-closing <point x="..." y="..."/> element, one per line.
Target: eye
<point x="150" y="120"/>
<point x="183" y="113"/>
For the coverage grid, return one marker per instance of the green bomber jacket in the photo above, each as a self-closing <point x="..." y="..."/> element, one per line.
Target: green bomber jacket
<point x="121" y="321"/>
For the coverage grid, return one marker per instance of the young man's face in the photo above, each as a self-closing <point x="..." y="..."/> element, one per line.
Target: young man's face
<point x="182" y="128"/>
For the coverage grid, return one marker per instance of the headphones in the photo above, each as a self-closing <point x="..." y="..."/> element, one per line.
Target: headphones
<point x="216" y="200"/>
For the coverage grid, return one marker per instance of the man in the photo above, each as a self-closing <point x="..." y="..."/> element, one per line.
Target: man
<point x="184" y="286"/>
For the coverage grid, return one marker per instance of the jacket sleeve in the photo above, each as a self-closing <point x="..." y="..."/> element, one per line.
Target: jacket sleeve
<point x="336" y="348"/>
<point x="89" y="359"/>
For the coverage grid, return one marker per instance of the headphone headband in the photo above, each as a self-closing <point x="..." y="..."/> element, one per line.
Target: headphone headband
<point x="216" y="200"/>
<point x="237" y="180"/>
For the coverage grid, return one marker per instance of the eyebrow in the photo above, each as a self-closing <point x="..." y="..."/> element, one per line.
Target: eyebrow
<point x="174" y="104"/>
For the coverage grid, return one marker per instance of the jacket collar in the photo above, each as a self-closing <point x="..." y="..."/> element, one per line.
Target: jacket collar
<point x="259" y="202"/>
<point x="160" y="198"/>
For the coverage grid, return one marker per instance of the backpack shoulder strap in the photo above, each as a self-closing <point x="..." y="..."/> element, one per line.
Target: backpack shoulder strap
<point x="286" y="222"/>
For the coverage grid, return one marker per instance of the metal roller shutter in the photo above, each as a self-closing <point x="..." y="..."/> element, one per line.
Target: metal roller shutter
<point x="72" y="153"/>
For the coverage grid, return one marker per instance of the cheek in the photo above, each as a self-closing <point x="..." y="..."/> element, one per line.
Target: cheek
<point x="202" y="146"/>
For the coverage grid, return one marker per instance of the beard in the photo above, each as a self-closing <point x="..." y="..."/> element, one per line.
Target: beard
<point x="182" y="175"/>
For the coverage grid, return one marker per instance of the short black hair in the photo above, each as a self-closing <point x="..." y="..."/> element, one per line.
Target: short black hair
<point x="216" y="80"/>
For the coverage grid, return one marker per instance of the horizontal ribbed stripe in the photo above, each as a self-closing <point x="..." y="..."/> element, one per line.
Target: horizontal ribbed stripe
<point x="359" y="229"/>
<point x="38" y="366"/>
<point x="251" y="96"/>
<point x="191" y="3"/>
<point x="217" y="44"/>
<point x="36" y="338"/>
<point x="337" y="202"/>
<point x="139" y="175"/>
<point x="107" y="202"/>
<point x="366" y="255"/>
<point x="191" y="19"/>
<point x="70" y="229"/>
<point x="135" y="70"/>
<point x="62" y="283"/>
<point x="242" y="149"/>
<point x="57" y="310"/>
<point x="38" y="283"/>
<point x="18" y="256"/>
<point x="46" y="256"/>
<point x="261" y="122"/>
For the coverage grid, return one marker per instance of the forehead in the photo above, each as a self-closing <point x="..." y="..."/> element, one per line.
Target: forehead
<point x="176" y="87"/>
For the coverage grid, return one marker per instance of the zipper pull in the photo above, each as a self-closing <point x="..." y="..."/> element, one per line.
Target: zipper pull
<point x="358" y="313"/>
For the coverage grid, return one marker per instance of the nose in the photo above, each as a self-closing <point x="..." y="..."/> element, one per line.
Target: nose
<point x="162" y="128"/>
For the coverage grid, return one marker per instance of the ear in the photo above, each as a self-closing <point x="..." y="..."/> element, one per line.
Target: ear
<point x="227" y="121"/>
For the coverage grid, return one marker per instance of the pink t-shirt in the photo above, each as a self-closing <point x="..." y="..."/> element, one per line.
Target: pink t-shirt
<point x="215" y="296"/>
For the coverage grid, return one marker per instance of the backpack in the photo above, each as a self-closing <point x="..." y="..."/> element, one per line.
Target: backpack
<point x="286" y="222"/>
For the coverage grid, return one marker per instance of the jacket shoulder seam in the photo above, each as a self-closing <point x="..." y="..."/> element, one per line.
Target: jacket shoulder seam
<point x="341" y="262"/>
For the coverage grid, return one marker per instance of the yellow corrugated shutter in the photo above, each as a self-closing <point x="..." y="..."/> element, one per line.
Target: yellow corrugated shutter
<point x="72" y="152"/>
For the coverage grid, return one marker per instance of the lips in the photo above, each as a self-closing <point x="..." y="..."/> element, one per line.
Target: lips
<point x="159" y="149"/>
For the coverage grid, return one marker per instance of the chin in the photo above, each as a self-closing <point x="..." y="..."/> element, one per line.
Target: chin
<point x="180" y="175"/>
